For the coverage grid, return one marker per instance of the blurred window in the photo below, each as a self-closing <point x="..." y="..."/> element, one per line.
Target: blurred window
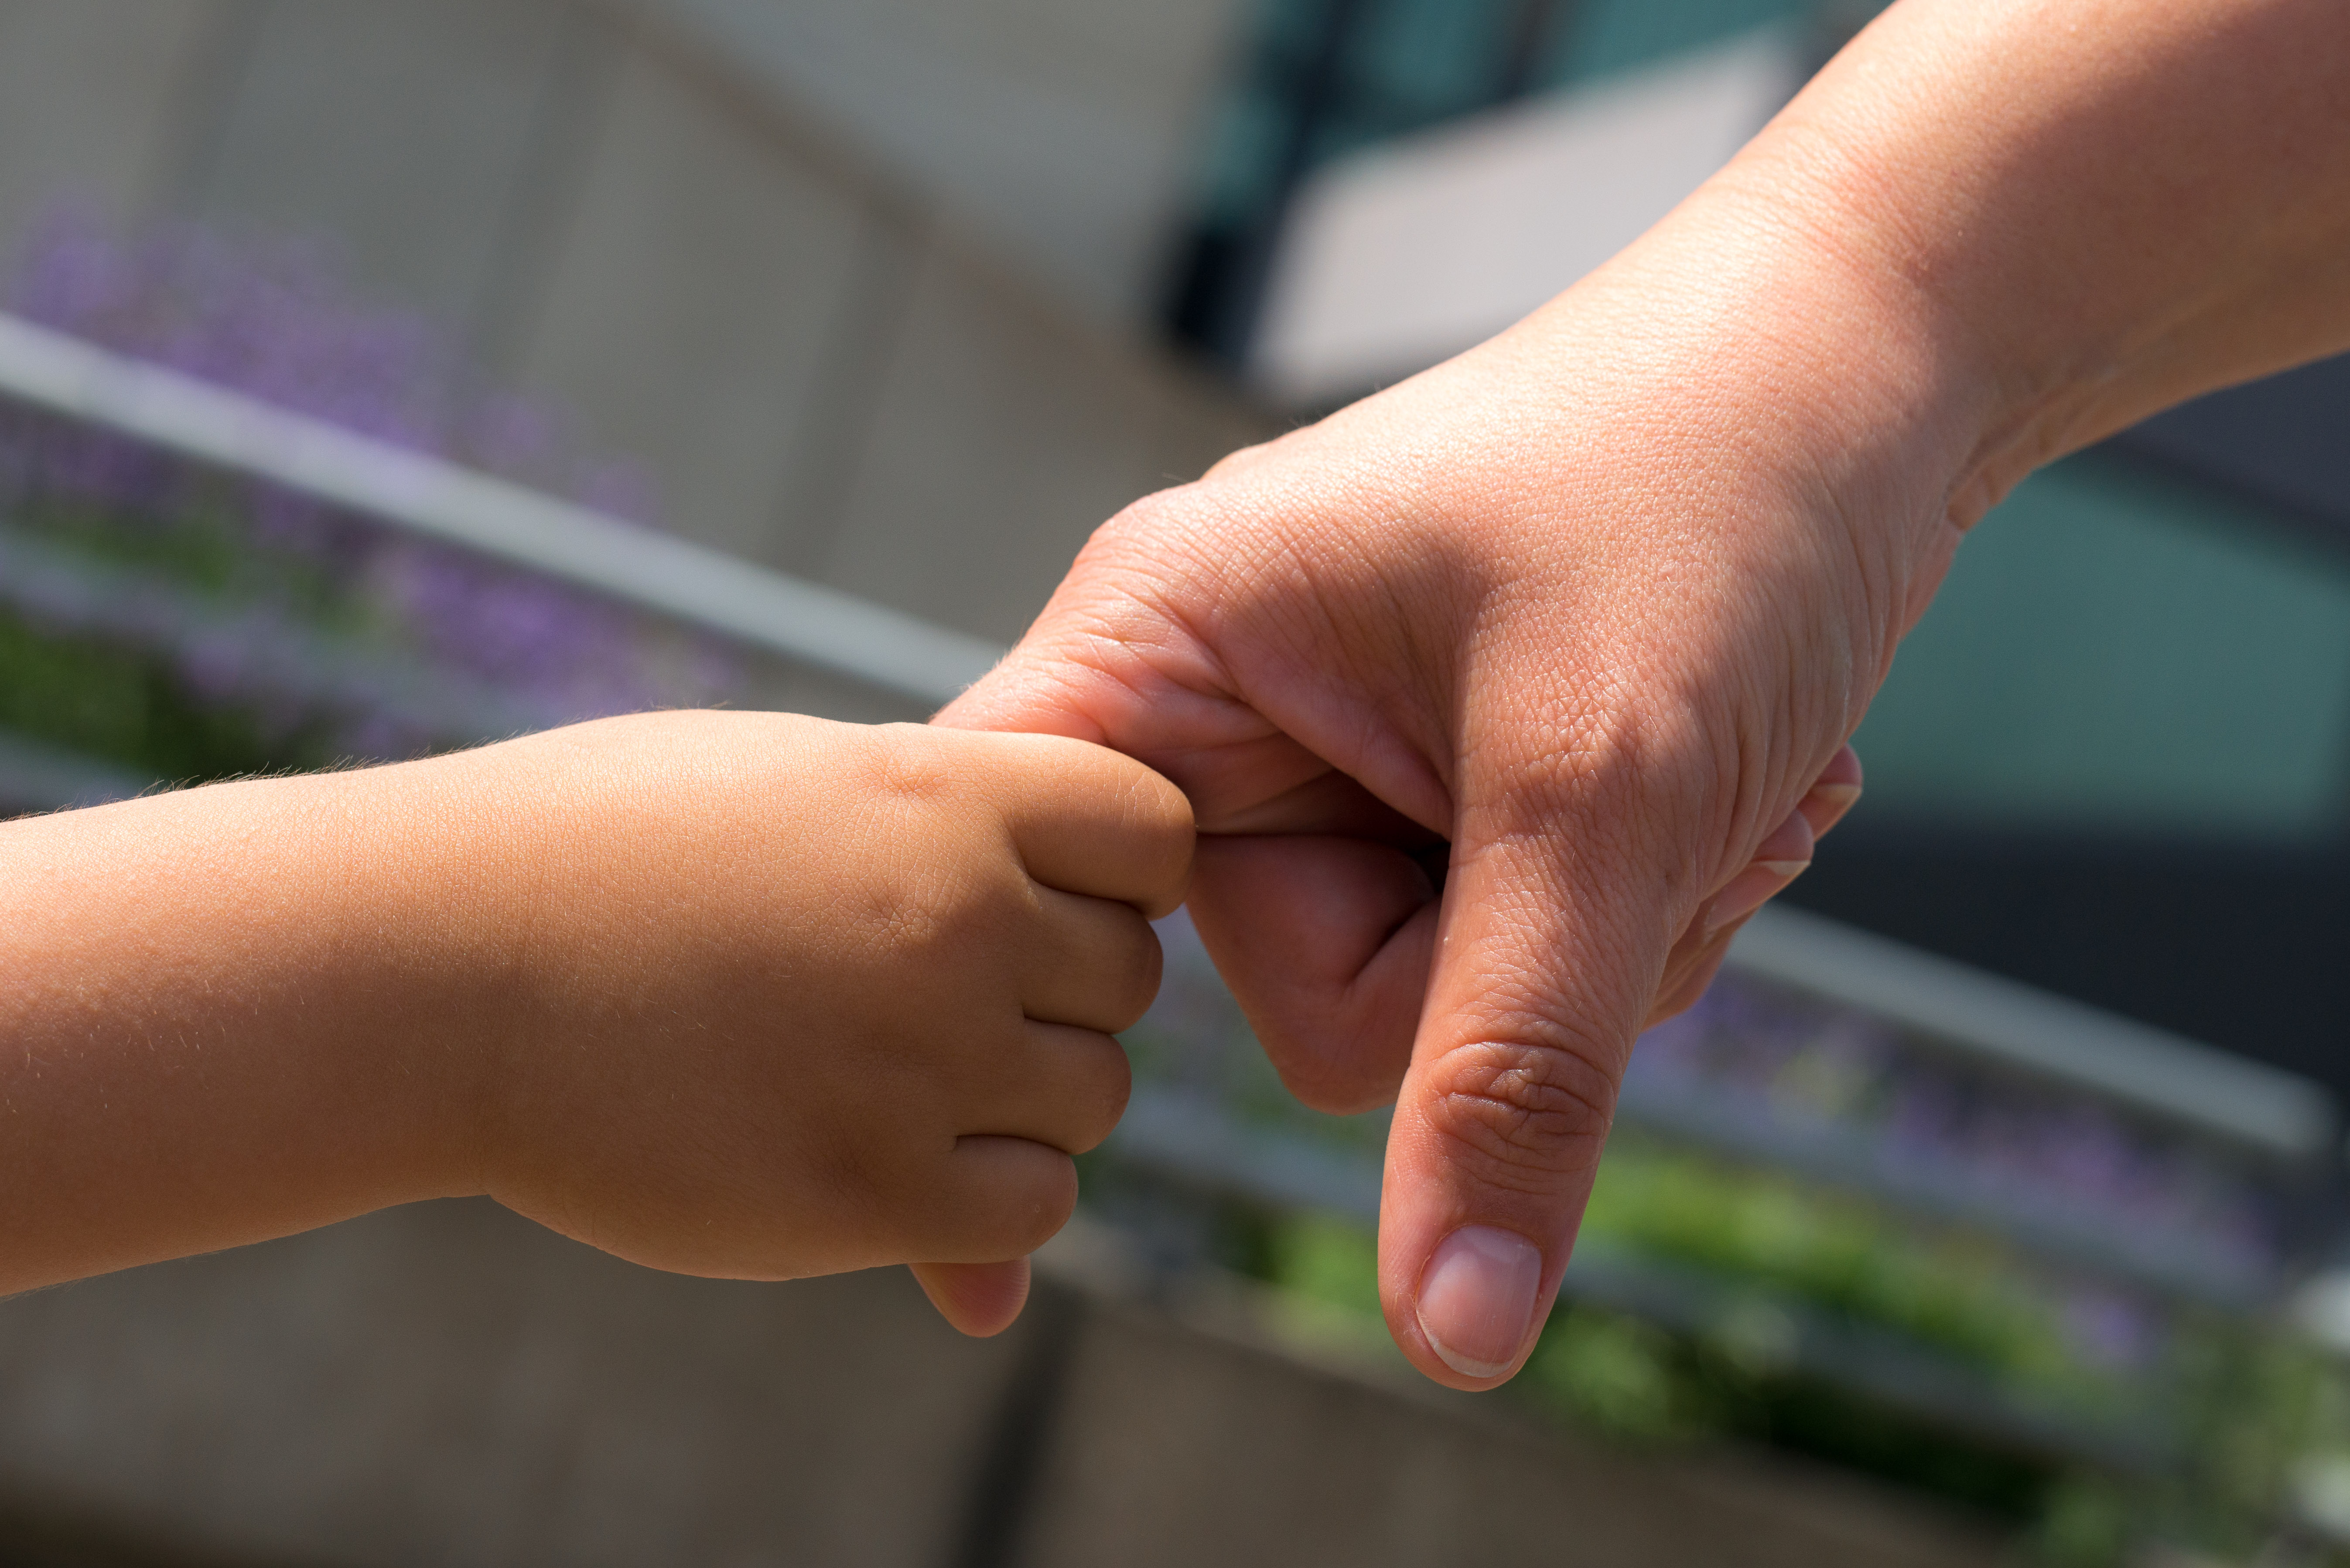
<point x="1321" y="79"/>
<point x="2121" y="651"/>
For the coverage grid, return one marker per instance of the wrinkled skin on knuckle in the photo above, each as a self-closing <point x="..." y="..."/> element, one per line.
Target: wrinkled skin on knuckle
<point x="1657" y="793"/>
<point x="1287" y="574"/>
<point x="1148" y="550"/>
<point x="920" y="897"/>
<point x="915" y="926"/>
<point x="1119" y="638"/>
<point x="1520" y="1117"/>
<point x="1730" y="648"/>
<point x="913" y="768"/>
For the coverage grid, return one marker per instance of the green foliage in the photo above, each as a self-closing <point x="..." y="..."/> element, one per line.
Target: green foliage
<point x="1621" y="1376"/>
<point x="1328" y="1261"/>
<point x="2086" y="1522"/>
<point x="131" y="707"/>
<point x="208" y="545"/>
<point x="1846" y="1257"/>
<point x="2246" y="1400"/>
<point x="130" y="702"/>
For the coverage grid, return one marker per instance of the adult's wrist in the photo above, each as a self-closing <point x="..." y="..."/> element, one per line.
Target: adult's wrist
<point x="2101" y="208"/>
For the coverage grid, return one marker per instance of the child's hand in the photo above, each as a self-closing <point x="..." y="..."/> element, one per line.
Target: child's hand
<point x="791" y="997"/>
<point x="734" y="994"/>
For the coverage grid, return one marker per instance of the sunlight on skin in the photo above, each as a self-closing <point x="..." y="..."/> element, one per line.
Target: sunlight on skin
<point x="1599" y="603"/>
<point x="980" y="1298"/>
<point x="746" y="995"/>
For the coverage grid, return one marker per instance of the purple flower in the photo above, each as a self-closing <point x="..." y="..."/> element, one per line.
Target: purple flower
<point x="274" y="322"/>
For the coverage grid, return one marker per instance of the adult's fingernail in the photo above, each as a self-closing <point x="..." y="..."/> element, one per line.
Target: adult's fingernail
<point x="1477" y="1299"/>
<point x="1840" y="796"/>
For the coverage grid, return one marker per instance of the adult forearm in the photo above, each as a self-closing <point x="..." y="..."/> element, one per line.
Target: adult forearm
<point x="2098" y="207"/>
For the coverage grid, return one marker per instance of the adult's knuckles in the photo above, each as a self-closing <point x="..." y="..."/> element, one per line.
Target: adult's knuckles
<point x="1169" y="550"/>
<point x="1520" y="1116"/>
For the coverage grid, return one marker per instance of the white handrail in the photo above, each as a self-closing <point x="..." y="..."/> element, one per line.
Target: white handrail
<point x="835" y="631"/>
<point x="2044" y="1034"/>
<point x="799" y="619"/>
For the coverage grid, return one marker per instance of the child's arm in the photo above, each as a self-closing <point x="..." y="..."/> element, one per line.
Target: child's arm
<point x="734" y="994"/>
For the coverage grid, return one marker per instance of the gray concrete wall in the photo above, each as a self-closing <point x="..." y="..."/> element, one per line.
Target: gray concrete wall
<point x="821" y="367"/>
<point x="1065" y="131"/>
<point x="450" y="1385"/>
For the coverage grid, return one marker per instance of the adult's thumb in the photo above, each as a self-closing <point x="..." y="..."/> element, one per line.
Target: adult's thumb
<point x="1549" y="954"/>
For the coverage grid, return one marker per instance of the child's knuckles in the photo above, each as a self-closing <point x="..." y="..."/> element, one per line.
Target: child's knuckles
<point x="937" y="929"/>
<point x="912" y="914"/>
<point x="918" y="770"/>
<point x="1073" y="1085"/>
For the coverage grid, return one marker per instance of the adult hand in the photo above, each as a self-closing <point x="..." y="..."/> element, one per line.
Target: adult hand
<point x="1597" y="604"/>
<point x="1571" y="625"/>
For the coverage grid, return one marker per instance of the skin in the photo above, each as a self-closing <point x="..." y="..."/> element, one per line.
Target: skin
<point x="1586" y="615"/>
<point x="1597" y="604"/>
<point x="745" y="995"/>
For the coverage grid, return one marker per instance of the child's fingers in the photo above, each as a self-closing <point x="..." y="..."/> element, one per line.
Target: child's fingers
<point x="1060" y="1087"/>
<point x="980" y="1298"/>
<point x="998" y="1199"/>
<point x="1087" y="820"/>
<point x="1088" y="961"/>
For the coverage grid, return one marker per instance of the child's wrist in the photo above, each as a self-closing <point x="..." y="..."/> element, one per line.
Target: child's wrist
<point x="443" y="882"/>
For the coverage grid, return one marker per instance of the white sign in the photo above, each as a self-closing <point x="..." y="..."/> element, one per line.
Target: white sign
<point x="1407" y="255"/>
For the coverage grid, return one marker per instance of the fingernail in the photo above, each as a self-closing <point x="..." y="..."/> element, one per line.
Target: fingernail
<point x="1477" y="1299"/>
<point x="1841" y="795"/>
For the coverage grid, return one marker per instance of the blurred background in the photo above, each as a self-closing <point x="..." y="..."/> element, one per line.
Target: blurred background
<point x="380" y="376"/>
